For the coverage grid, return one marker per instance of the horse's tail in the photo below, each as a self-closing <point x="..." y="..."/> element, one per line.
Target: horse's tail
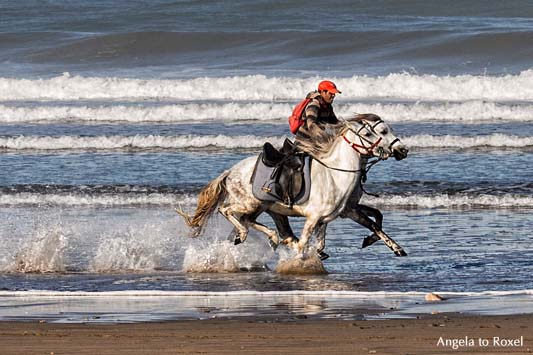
<point x="208" y="199"/>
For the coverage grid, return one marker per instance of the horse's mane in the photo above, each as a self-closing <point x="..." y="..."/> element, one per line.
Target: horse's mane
<point x="321" y="145"/>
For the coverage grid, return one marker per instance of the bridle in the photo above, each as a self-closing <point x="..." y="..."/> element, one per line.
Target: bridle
<point x="368" y="149"/>
<point x="365" y="151"/>
<point x="362" y="146"/>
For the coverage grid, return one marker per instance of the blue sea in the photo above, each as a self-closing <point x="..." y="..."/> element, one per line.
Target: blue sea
<point x="113" y="113"/>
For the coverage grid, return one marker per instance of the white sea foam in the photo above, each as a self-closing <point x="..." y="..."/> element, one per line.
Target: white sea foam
<point x="466" y="112"/>
<point x="156" y="199"/>
<point x="235" y="142"/>
<point x="259" y="87"/>
<point x="97" y="200"/>
<point x="135" y="142"/>
<point x="451" y="201"/>
<point x="449" y="141"/>
<point x="165" y="113"/>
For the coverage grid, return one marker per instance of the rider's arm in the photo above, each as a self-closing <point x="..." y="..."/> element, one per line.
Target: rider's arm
<point x="311" y="111"/>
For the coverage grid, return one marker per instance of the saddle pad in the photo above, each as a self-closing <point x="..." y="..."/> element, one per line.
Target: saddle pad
<point x="263" y="186"/>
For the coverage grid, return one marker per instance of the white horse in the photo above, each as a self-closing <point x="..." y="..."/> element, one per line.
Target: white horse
<point x="335" y="175"/>
<point x="355" y="211"/>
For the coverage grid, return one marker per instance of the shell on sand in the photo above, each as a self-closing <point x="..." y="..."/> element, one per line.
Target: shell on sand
<point x="433" y="297"/>
<point x="310" y="265"/>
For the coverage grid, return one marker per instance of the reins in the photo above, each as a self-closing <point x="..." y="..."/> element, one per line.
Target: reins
<point x="363" y="176"/>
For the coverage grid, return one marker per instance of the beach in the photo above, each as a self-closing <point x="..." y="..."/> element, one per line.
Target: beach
<point x="429" y="334"/>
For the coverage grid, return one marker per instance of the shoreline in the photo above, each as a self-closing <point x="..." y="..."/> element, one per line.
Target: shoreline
<point x="426" y="334"/>
<point x="162" y="306"/>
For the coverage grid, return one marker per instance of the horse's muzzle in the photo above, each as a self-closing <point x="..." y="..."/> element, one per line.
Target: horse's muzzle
<point x="400" y="153"/>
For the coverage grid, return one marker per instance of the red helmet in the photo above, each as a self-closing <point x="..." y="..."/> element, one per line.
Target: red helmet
<point x="328" y="86"/>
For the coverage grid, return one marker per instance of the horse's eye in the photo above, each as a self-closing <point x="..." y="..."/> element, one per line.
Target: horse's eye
<point x="366" y="134"/>
<point x="384" y="132"/>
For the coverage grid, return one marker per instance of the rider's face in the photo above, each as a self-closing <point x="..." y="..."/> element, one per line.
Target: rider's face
<point x="327" y="96"/>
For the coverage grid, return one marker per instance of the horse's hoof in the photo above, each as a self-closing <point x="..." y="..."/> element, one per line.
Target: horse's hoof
<point x="368" y="241"/>
<point x="289" y="241"/>
<point x="273" y="244"/>
<point x="400" y="252"/>
<point x="323" y="256"/>
<point x="237" y="241"/>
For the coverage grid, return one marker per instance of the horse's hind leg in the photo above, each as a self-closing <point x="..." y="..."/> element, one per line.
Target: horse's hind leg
<point x="243" y="222"/>
<point x="273" y="237"/>
<point x="242" y="231"/>
<point x="283" y="227"/>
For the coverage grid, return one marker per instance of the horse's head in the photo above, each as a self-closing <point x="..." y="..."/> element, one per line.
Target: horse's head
<point x="375" y="138"/>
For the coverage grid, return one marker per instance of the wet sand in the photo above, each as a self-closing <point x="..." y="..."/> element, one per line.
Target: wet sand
<point x="434" y="334"/>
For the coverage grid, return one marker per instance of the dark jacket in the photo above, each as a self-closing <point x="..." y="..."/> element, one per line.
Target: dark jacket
<point x="317" y="116"/>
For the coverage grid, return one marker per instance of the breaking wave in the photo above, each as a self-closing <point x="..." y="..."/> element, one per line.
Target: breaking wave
<point x="458" y="201"/>
<point x="135" y="142"/>
<point x="208" y="142"/>
<point x="99" y="200"/>
<point x="404" y="86"/>
<point x="449" y="141"/>
<point x="401" y="200"/>
<point x="272" y="112"/>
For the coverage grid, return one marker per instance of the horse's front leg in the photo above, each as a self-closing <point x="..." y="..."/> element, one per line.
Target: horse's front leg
<point x="357" y="215"/>
<point x="321" y="241"/>
<point x="372" y="212"/>
<point x="307" y="231"/>
<point x="378" y="218"/>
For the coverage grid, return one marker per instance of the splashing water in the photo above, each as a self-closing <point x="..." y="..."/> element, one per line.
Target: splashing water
<point x="139" y="249"/>
<point x="43" y="254"/>
<point x="124" y="255"/>
<point x="212" y="252"/>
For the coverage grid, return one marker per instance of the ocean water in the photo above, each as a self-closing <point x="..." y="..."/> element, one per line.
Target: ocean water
<point x="114" y="113"/>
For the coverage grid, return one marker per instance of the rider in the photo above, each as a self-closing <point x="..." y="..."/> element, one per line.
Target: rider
<point x="318" y="114"/>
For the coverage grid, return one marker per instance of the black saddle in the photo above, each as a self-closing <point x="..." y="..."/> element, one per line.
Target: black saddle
<point x="280" y="175"/>
<point x="272" y="157"/>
